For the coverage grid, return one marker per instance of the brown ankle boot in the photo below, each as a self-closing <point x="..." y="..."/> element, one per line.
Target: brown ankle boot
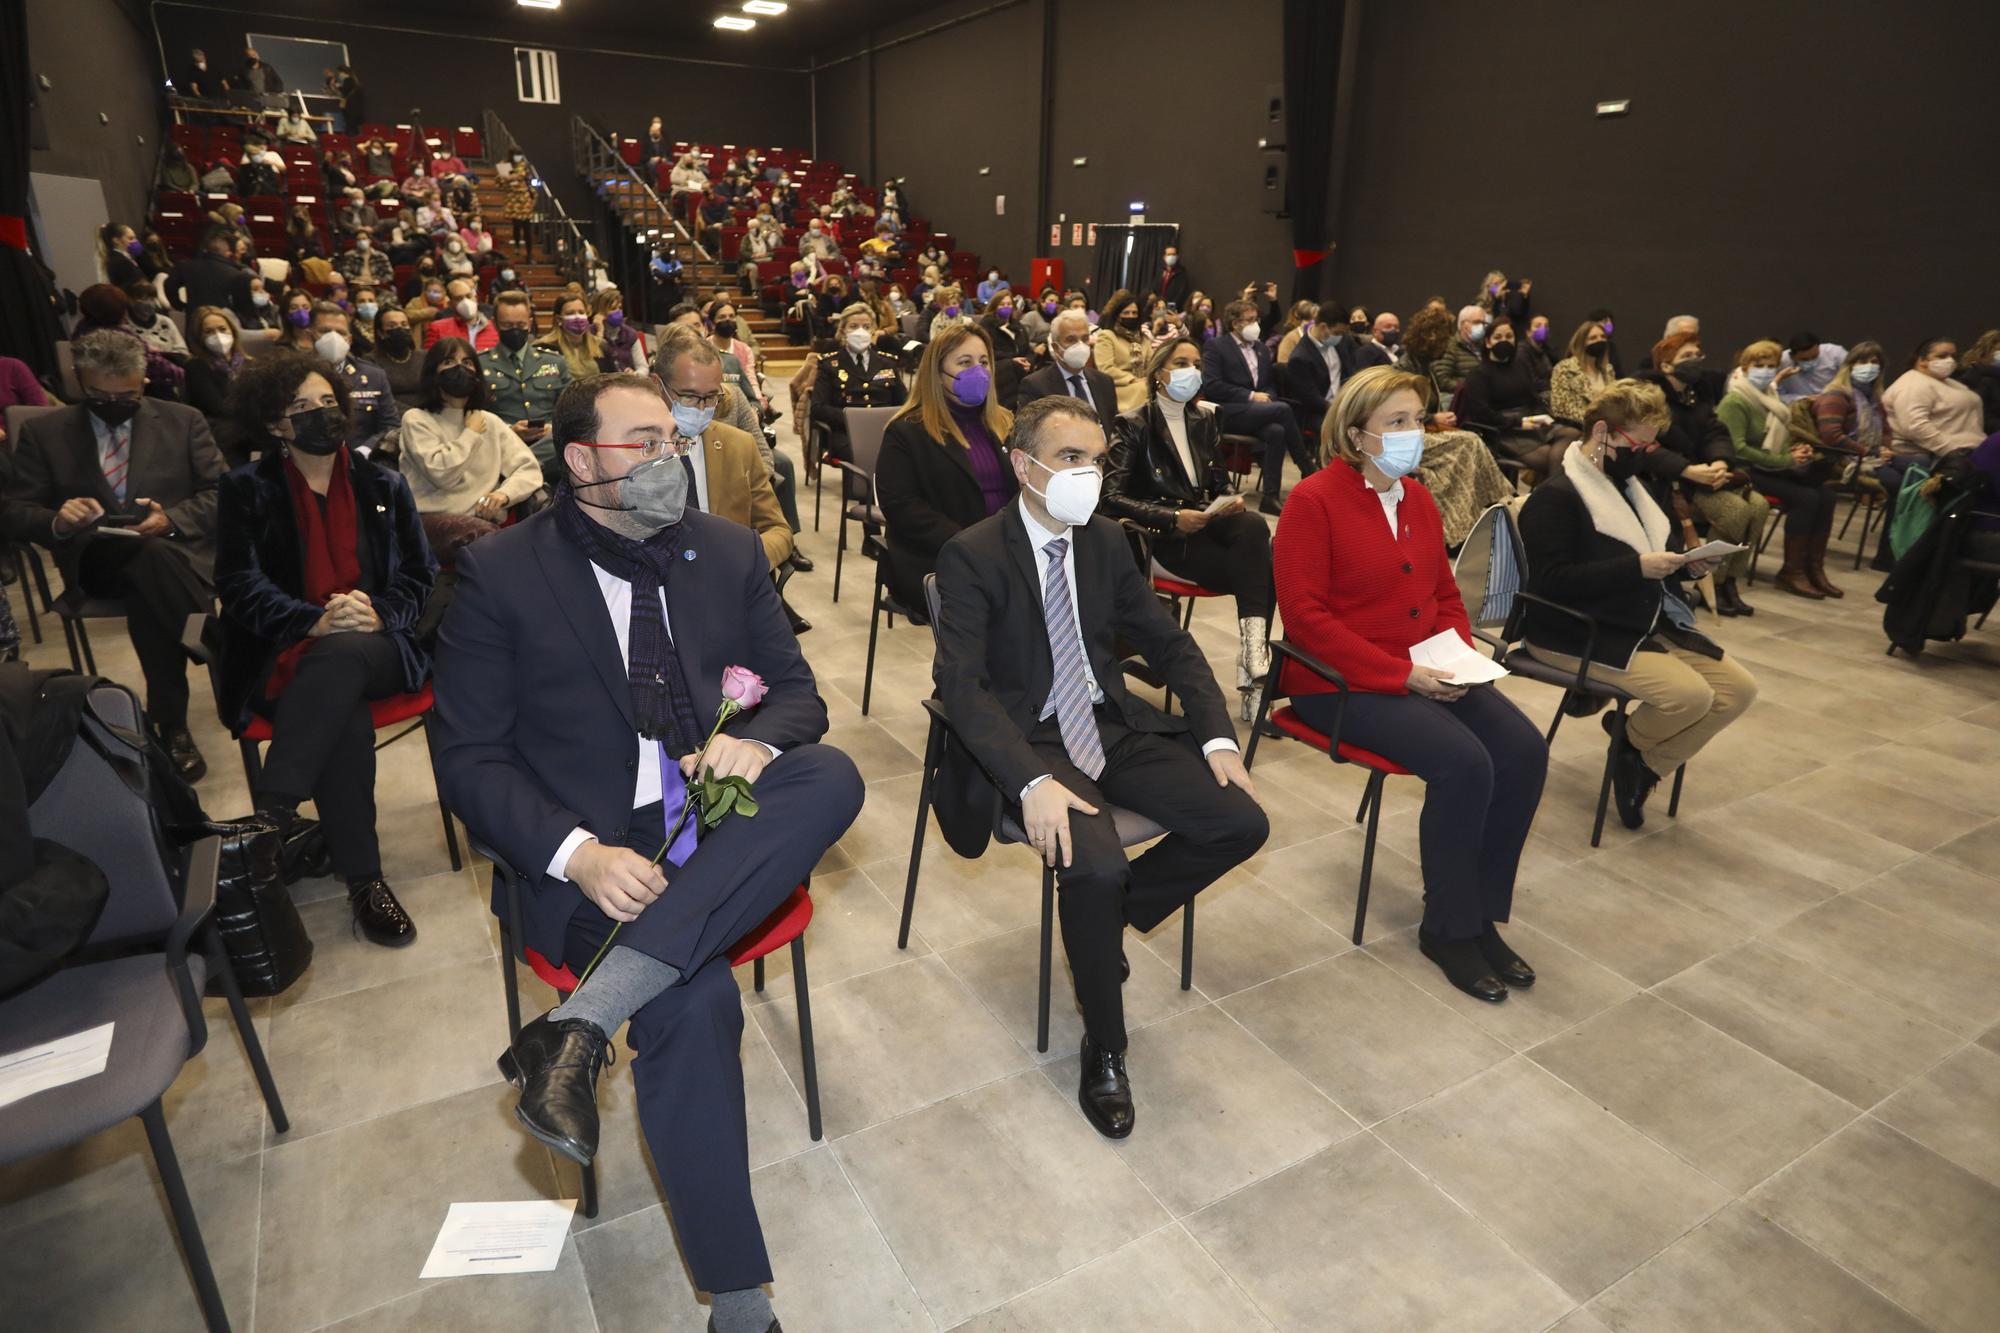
<point x="1793" y="578"/>
<point x="1816" y="564"/>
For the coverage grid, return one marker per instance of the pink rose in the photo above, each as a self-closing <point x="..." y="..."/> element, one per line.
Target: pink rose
<point x="743" y="687"/>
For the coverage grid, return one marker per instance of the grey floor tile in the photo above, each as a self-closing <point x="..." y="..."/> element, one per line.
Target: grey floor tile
<point x="853" y="930"/>
<point x="1954" y="1110"/>
<point x="109" y="1260"/>
<point x="832" y="1267"/>
<point x="445" y="1029"/>
<point x="1847" y="1040"/>
<point x="1004" y="970"/>
<point x="1366" y="1036"/>
<point x="1323" y="877"/>
<point x="455" y="925"/>
<point x="1581" y="1321"/>
<point x="1894" y="813"/>
<point x="1831" y="846"/>
<point x="892" y="1041"/>
<point x="1912" y="1225"/>
<point x="1739" y="1273"/>
<point x="1725" y="870"/>
<point x="1639" y="933"/>
<point x="349" y="1215"/>
<point x="1214" y="1109"/>
<point x="1730" y="1112"/>
<point x="637" y="1279"/>
<point x="1244" y="933"/>
<point x="1578" y="1192"/>
<point x="875" y="752"/>
<point x="959" y="901"/>
<point x="887" y="819"/>
<point x="1016" y="1156"/>
<point x="1942" y="895"/>
<point x="504" y="1303"/>
<point x="1948" y="979"/>
<point x="1355" y="1239"/>
<point x="1978" y="849"/>
<point x="1160" y="1281"/>
<point x="1568" y="987"/>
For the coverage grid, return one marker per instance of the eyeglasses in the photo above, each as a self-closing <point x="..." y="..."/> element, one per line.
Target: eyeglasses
<point x="648" y="450"/>
<point x="695" y="399"/>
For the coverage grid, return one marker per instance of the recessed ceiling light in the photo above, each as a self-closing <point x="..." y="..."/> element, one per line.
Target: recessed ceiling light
<point x="539" y="4"/>
<point x="735" y="23"/>
<point x="764" y="7"/>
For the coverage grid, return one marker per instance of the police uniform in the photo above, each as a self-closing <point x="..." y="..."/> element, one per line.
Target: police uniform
<point x="374" y="415"/>
<point x="525" y="389"/>
<point x="873" y="379"/>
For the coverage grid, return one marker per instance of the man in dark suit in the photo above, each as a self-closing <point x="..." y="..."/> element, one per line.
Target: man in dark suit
<point x="1323" y="359"/>
<point x="1236" y="380"/>
<point x="577" y="673"/>
<point x="1173" y="284"/>
<point x="1072" y="372"/>
<point x="1034" y="601"/>
<point x="122" y="491"/>
<point x="210" y="277"/>
<point x="857" y="373"/>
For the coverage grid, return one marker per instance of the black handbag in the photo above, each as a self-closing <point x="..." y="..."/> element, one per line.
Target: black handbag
<point x="261" y="931"/>
<point x="305" y="855"/>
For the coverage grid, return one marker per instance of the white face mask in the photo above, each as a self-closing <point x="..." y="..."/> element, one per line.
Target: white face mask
<point x="1761" y="376"/>
<point x="858" y="340"/>
<point x="468" y="309"/>
<point x="1076" y="356"/>
<point x="1248" y="333"/>
<point x="331" y="345"/>
<point x="1941" y="366"/>
<point x="1173" y="260"/>
<point x="1867" y="372"/>
<point x="1071" y="497"/>
<point x="219" y="343"/>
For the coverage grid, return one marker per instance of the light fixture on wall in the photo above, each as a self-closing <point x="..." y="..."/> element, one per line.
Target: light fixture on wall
<point x="735" y="23"/>
<point x="768" y="8"/>
<point x="539" y="4"/>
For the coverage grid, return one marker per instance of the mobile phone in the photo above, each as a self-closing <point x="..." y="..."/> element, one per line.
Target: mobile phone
<point x="121" y="520"/>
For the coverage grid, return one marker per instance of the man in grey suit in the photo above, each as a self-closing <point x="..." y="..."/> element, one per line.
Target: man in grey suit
<point x="122" y="492"/>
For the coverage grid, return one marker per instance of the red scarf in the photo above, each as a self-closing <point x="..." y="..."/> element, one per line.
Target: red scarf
<point x="332" y="554"/>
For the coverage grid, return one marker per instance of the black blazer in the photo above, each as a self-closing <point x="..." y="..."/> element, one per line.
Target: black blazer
<point x="928" y="493"/>
<point x="841" y="383"/>
<point x="1498" y="396"/>
<point x="1308" y="382"/>
<point x="534" y="732"/>
<point x="1146" y="481"/>
<point x="1571" y="562"/>
<point x="1009" y="341"/>
<point x="993" y="669"/>
<point x="174" y="462"/>
<point x="260" y="573"/>
<point x="1224" y="377"/>
<point x="1053" y="380"/>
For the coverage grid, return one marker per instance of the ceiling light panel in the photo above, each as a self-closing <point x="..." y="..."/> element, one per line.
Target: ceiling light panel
<point x="735" y="23"/>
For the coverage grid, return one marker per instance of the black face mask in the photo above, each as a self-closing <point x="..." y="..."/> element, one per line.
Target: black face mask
<point x="319" y="431"/>
<point x="1130" y="319"/>
<point x="1501" y="353"/>
<point x="1358" y="327"/>
<point x="1621" y="464"/>
<point x="725" y="328"/>
<point x="112" y="411"/>
<point x="1689" y="370"/>
<point x="513" y="339"/>
<point x="144" y="313"/>
<point x="458" y="381"/>
<point x="398" y="342"/>
<point x="1389" y="337"/>
<point x="1595" y="349"/>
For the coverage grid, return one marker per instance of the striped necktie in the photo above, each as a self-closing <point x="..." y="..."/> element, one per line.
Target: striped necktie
<point x="117" y="457"/>
<point x="1070" y="690"/>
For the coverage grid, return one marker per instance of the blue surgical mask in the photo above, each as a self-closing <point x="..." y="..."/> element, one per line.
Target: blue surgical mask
<point x="1761" y="376"/>
<point x="1867" y="372"/>
<point x="1402" y="450"/>
<point x="1477" y="332"/>
<point x="1183" y="383"/>
<point x="692" y="421"/>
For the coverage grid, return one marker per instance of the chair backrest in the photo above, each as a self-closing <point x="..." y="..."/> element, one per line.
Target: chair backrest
<point x="275" y="270"/>
<point x="931" y="597"/>
<point x="98" y="807"/>
<point x="72" y="387"/>
<point x="18" y="414"/>
<point x="864" y="434"/>
<point x="1491" y="568"/>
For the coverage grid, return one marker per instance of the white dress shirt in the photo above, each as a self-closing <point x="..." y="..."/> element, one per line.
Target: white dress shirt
<point x="1077" y="385"/>
<point x="1391" y="499"/>
<point x="646" y="789"/>
<point x="1331" y="355"/>
<point x="1039" y="537"/>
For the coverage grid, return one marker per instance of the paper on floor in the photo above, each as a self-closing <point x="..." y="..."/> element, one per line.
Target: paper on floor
<point x="53" y="1063"/>
<point x="524" y="1237"/>
<point x="1446" y="652"/>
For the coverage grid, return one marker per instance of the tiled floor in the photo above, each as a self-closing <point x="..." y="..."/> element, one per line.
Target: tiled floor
<point x="1757" y="1087"/>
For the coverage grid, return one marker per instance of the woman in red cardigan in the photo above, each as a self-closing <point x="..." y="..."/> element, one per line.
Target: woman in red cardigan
<point x="1362" y="574"/>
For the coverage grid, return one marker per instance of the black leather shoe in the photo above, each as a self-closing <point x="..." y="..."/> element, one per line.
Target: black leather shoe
<point x="1628" y="775"/>
<point x="1124" y="967"/>
<point x="799" y="623"/>
<point x="1270" y="504"/>
<point x="554" y="1063"/>
<point x="185" y="754"/>
<point x="1509" y="966"/>
<point x="801" y="561"/>
<point x="1104" y="1092"/>
<point x="378" y="916"/>
<point x="1464" y="966"/>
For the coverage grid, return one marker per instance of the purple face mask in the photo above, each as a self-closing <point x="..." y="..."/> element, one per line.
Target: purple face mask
<point x="1049" y="308"/>
<point x="951" y="312"/>
<point x="798" y="279"/>
<point x="969" y="386"/>
<point x="1607" y="328"/>
<point x="614" y="318"/>
<point x="576" y="325"/>
<point x="298" y="319"/>
<point x="1539" y="333"/>
<point x="135" y="248"/>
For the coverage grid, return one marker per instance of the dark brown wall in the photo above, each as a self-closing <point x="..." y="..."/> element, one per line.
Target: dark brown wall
<point x="112" y="73"/>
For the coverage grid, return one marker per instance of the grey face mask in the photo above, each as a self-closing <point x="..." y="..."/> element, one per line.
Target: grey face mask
<point x="655" y="493"/>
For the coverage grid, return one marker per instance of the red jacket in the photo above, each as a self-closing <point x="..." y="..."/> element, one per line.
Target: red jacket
<point x="1351" y="594"/>
<point x="451" y="326"/>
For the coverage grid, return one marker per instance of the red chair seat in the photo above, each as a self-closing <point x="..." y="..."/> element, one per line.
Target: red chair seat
<point x="1286" y="719"/>
<point x="777" y="930"/>
<point x="381" y="712"/>
<point x="1173" y="587"/>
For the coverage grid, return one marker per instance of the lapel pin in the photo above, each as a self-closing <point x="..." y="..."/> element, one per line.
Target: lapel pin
<point x="687" y="555"/>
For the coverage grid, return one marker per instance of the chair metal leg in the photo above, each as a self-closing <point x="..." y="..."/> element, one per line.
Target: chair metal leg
<point x="253" y="766"/>
<point x="1556" y="722"/>
<point x="819" y="492"/>
<point x="1603" y="796"/>
<point x="1367" y="796"/>
<point x="874" y="628"/>
<point x="1048" y="939"/>
<point x="839" y="553"/>
<point x="808" y="1058"/>
<point x="1674" y="803"/>
<point x="507" y="981"/>
<point x="189" y="1230"/>
<point x="1187" y="946"/>
<point x="246" y="1031"/>
<point x="1187" y="615"/>
<point x="588" y="1185"/>
<point x="27" y="593"/>
<point x="69" y="638"/>
<point x="450" y="832"/>
<point x="757" y="975"/>
<point x="1373" y="801"/>
<point x="932" y="750"/>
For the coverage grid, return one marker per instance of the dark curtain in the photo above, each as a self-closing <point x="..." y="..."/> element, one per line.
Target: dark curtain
<point x="28" y="327"/>
<point x="1140" y="269"/>
<point x="1313" y="31"/>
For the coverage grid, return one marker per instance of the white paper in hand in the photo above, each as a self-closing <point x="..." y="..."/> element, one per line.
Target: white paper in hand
<point x="51" y="1064"/>
<point x="524" y="1237"/>
<point x="1710" y="551"/>
<point x="1223" y="503"/>
<point x="1447" y="653"/>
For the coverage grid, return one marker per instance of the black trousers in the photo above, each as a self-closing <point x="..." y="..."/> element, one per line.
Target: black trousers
<point x="1231" y="554"/>
<point x="160" y="588"/>
<point x="1212" y="830"/>
<point x="1482" y="763"/>
<point x="688" y="1071"/>
<point x="1808" y="505"/>
<point x="323" y="743"/>
<point x="1275" y="425"/>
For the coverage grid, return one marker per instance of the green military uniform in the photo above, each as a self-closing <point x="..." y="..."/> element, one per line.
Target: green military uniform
<point x="523" y="386"/>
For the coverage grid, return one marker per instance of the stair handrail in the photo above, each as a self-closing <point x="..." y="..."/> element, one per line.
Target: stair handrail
<point x="560" y="233"/>
<point x="591" y="153"/>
